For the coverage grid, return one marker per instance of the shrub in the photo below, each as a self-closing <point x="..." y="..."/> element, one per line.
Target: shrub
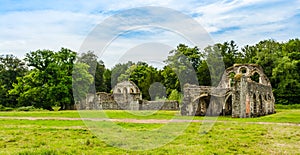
<point x="289" y="106"/>
<point x="2" y="108"/>
<point x="27" y="108"/>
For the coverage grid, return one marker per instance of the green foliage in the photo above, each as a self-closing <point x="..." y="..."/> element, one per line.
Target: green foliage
<point x="170" y="80"/>
<point x="49" y="83"/>
<point x="82" y="80"/>
<point x="3" y="108"/>
<point x="97" y="70"/>
<point x="10" y="68"/>
<point x="290" y="106"/>
<point x="280" y="62"/>
<point x="175" y="95"/>
<point x="143" y="76"/>
<point x="27" y="108"/>
<point x="118" y="70"/>
<point x="184" y="61"/>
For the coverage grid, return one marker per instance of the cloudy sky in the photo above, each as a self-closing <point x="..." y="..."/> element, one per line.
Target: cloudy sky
<point x="28" y="25"/>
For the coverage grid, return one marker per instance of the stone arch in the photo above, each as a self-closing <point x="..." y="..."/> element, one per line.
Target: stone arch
<point x="243" y="70"/>
<point x="119" y="90"/>
<point x="200" y="96"/>
<point x="255" y="77"/>
<point x="228" y="105"/>
<point x="201" y="104"/>
<point x="132" y="90"/>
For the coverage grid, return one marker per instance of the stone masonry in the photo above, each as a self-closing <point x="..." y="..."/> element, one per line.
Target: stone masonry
<point x="244" y="91"/>
<point x="126" y="96"/>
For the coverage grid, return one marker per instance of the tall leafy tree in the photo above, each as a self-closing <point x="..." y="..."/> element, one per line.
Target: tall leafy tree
<point x="184" y="61"/>
<point x="49" y="82"/>
<point x="10" y="68"/>
<point x="96" y="69"/>
<point x="170" y="80"/>
<point x="285" y="74"/>
<point x="118" y="70"/>
<point x="143" y="76"/>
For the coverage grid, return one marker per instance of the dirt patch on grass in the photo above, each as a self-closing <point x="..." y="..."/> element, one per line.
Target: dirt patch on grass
<point x="145" y="121"/>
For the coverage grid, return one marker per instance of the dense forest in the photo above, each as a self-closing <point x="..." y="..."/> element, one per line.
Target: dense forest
<point x="45" y="78"/>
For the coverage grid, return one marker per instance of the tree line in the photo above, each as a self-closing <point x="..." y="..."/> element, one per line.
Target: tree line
<point x="45" y="78"/>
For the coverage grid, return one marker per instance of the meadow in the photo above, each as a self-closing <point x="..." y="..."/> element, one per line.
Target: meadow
<point x="62" y="132"/>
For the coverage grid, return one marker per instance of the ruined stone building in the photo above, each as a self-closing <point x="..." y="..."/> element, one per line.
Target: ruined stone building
<point x="244" y="91"/>
<point x="126" y="96"/>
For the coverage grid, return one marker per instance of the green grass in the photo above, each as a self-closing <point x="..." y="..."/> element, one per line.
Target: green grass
<point x="34" y="137"/>
<point x="95" y="114"/>
<point x="227" y="136"/>
<point x="282" y="115"/>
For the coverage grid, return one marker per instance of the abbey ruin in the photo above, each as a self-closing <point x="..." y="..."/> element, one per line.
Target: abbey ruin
<point x="126" y="96"/>
<point x="244" y="91"/>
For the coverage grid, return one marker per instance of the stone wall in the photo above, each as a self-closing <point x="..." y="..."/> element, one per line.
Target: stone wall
<point x="105" y="101"/>
<point x="236" y="95"/>
<point x="159" y="105"/>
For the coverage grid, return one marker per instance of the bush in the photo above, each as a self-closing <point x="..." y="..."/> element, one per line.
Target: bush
<point x="2" y="108"/>
<point x="289" y="106"/>
<point x="27" y="108"/>
<point x="175" y="95"/>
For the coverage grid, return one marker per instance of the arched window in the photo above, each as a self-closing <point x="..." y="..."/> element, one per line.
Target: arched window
<point x="131" y="90"/>
<point x="255" y="77"/>
<point x="243" y="70"/>
<point x="118" y="90"/>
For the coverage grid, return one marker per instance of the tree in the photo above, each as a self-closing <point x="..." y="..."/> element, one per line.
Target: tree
<point x="107" y="80"/>
<point x="96" y="69"/>
<point x="184" y="61"/>
<point x="170" y="80"/>
<point x="203" y="74"/>
<point x="118" y="70"/>
<point x="267" y="53"/>
<point x="175" y="95"/>
<point x="285" y="74"/>
<point x="143" y="76"/>
<point x="49" y="82"/>
<point x="10" y="68"/>
<point x="215" y="64"/>
<point x="82" y="80"/>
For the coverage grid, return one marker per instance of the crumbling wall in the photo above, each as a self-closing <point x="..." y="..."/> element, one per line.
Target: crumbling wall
<point x="236" y="95"/>
<point x="126" y="96"/>
<point x="202" y="100"/>
<point x="159" y="105"/>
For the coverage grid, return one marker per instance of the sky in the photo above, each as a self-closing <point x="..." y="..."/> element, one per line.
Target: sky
<point x="29" y="25"/>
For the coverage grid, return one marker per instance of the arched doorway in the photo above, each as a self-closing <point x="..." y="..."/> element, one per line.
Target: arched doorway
<point x="228" y="106"/>
<point x="202" y="103"/>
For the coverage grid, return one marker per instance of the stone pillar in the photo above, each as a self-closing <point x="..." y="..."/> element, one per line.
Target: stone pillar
<point x="236" y="99"/>
<point x="243" y="93"/>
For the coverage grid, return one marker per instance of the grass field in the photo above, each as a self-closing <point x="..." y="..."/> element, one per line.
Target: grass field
<point x="274" y="134"/>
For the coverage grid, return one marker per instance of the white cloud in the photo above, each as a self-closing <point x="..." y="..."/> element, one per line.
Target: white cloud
<point x="22" y="32"/>
<point x="245" y="21"/>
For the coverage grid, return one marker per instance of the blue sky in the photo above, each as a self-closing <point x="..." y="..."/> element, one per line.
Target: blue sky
<point x="28" y="25"/>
